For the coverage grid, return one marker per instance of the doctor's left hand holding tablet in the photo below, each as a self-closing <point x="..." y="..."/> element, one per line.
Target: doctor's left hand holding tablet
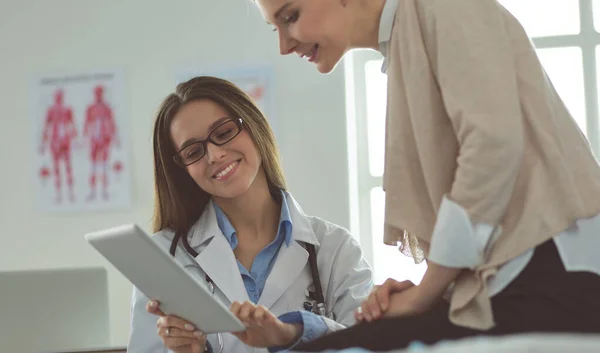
<point x="178" y="335"/>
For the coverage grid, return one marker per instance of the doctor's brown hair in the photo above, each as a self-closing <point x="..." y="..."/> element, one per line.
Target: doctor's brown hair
<point x="179" y="201"/>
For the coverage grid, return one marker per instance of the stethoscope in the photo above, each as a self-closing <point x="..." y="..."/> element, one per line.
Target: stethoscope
<point x="211" y="288"/>
<point x="318" y="296"/>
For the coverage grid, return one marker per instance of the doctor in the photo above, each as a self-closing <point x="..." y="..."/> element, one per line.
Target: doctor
<point x="223" y="210"/>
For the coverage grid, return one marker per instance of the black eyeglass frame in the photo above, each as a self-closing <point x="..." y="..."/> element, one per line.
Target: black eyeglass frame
<point x="238" y="122"/>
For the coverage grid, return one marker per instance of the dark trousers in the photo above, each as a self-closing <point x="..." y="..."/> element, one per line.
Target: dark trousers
<point x="543" y="298"/>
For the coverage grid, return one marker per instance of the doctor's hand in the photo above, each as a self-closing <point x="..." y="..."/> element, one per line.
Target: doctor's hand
<point x="380" y="300"/>
<point x="263" y="329"/>
<point x="177" y="335"/>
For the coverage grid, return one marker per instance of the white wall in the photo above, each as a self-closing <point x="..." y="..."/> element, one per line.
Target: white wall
<point x="151" y="39"/>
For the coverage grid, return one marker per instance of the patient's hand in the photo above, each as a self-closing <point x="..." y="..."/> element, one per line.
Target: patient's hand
<point x="408" y="302"/>
<point x="379" y="301"/>
<point x="263" y="329"/>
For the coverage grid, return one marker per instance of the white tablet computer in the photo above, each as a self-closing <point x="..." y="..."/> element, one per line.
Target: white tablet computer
<point x="156" y="274"/>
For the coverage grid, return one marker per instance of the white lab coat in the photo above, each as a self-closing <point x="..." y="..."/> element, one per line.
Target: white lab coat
<point x="346" y="276"/>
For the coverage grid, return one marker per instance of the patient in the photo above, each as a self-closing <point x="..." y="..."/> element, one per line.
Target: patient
<point x="222" y="204"/>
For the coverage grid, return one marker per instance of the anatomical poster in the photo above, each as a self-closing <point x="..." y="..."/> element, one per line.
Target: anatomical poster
<point x="80" y="142"/>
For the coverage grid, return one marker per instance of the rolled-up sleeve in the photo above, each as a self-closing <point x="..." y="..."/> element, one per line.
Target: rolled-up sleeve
<point x="456" y="242"/>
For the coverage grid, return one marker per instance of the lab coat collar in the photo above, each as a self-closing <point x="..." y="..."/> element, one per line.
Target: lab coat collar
<point x="290" y="262"/>
<point x="292" y="259"/>
<point x="220" y="264"/>
<point x="303" y="230"/>
<point x="207" y="227"/>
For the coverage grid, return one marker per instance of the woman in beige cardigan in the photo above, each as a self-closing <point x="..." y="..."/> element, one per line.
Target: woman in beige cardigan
<point x="487" y="176"/>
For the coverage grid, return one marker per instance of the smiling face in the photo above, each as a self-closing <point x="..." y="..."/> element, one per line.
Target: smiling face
<point x="318" y="30"/>
<point x="225" y="171"/>
<point x="242" y="158"/>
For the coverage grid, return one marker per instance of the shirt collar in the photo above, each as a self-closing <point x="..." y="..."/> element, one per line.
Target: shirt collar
<point x="224" y="224"/>
<point x="285" y="222"/>
<point x="386" y="24"/>
<point x="285" y="219"/>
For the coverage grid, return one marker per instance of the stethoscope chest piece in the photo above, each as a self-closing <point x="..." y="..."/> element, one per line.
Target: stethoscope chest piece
<point x="308" y="306"/>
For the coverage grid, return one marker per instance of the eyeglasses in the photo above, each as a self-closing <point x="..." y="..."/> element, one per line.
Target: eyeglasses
<point x="220" y="135"/>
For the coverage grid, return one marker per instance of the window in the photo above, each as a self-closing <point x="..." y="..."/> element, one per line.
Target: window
<point x="567" y="39"/>
<point x="565" y="69"/>
<point x="546" y="18"/>
<point x="566" y="35"/>
<point x="366" y="94"/>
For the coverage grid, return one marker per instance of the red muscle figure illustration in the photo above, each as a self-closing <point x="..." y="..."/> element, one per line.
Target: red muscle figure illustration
<point x="100" y="132"/>
<point x="58" y="133"/>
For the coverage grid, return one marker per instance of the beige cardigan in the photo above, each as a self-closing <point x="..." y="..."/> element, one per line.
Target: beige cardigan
<point x="472" y="116"/>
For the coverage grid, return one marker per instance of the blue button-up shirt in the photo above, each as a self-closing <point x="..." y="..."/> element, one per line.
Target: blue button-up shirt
<point x="255" y="278"/>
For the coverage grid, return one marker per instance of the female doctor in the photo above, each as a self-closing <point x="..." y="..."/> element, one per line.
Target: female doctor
<point x="223" y="211"/>
<point x="487" y="175"/>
